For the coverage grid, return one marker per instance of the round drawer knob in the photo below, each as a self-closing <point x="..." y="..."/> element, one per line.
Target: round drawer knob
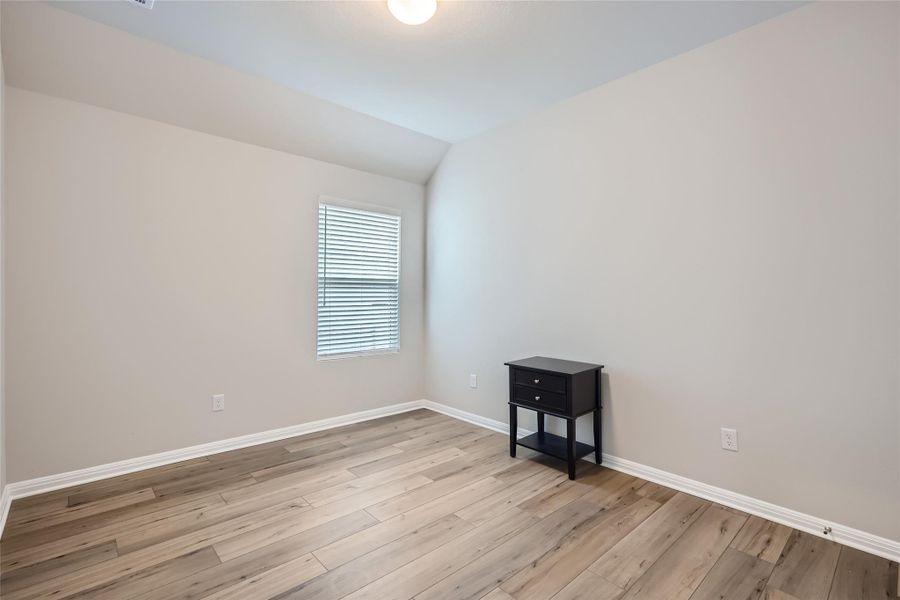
<point x="537" y="397"/>
<point x="537" y="380"/>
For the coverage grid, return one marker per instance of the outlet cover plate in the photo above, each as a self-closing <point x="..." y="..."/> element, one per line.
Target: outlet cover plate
<point x="730" y="439"/>
<point x="218" y="402"/>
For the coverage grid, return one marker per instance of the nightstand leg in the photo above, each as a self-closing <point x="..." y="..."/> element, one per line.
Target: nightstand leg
<point x="513" y="428"/>
<point x="597" y="457"/>
<point x="540" y="420"/>
<point x="570" y="444"/>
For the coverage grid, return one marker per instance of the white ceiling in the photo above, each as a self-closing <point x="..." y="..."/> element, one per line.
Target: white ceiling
<point x="474" y="66"/>
<point x="55" y="52"/>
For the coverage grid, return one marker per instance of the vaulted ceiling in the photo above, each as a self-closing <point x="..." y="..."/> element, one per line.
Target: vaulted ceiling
<point x="344" y="81"/>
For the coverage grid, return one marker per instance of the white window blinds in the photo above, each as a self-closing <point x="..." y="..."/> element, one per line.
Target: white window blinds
<point x="359" y="281"/>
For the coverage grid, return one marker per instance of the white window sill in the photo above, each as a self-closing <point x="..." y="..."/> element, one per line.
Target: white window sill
<point x="369" y="354"/>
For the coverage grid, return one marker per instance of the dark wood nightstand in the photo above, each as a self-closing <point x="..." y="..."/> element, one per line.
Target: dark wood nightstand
<point x="560" y="388"/>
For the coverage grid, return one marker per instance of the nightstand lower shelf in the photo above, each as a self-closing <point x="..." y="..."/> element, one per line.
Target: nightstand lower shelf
<point x="553" y="445"/>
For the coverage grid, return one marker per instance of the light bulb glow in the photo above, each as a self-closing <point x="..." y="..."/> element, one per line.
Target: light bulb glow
<point x="412" y="12"/>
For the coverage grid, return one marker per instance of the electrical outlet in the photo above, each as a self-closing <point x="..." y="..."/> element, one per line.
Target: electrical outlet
<point x="729" y="439"/>
<point x="218" y="402"/>
<point x="473" y="380"/>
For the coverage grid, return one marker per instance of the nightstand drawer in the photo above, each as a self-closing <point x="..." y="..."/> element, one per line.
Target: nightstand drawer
<point x="541" y="381"/>
<point x="541" y="399"/>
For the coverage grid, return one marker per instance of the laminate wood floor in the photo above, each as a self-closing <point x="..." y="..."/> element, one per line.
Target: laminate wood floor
<point x="416" y="505"/>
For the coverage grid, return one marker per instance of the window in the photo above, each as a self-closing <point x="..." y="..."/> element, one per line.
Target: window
<point x="359" y="281"/>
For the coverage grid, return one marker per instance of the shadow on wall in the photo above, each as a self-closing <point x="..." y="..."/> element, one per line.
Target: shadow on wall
<point x="584" y="431"/>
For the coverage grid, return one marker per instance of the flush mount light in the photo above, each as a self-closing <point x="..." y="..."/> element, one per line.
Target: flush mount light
<point x="412" y="12"/>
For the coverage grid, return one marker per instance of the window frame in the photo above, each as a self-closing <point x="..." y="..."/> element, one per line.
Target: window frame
<point x="378" y="209"/>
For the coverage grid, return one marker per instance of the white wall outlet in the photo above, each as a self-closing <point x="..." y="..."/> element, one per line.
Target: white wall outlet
<point x="729" y="439"/>
<point x="473" y="380"/>
<point x="218" y="402"/>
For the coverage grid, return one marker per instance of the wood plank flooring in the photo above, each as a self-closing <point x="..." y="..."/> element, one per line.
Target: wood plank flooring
<point x="416" y="505"/>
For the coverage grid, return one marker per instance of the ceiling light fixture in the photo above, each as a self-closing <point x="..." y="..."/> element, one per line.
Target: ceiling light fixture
<point x="412" y="12"/>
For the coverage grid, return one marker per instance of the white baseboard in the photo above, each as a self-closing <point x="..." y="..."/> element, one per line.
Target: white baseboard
<point x="842" y="534"/>
<point x="5" y="501"/>
<point x="41" y="485"/>
<point x="849" y="536"/>
<point x="462" y="415"/>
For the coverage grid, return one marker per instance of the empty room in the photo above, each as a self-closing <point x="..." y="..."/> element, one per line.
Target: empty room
<point x="449" y="300"/>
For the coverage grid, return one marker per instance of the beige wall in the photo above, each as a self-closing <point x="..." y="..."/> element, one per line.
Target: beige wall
<point x="721" y="231"/>
<point x="150" y="266"/>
